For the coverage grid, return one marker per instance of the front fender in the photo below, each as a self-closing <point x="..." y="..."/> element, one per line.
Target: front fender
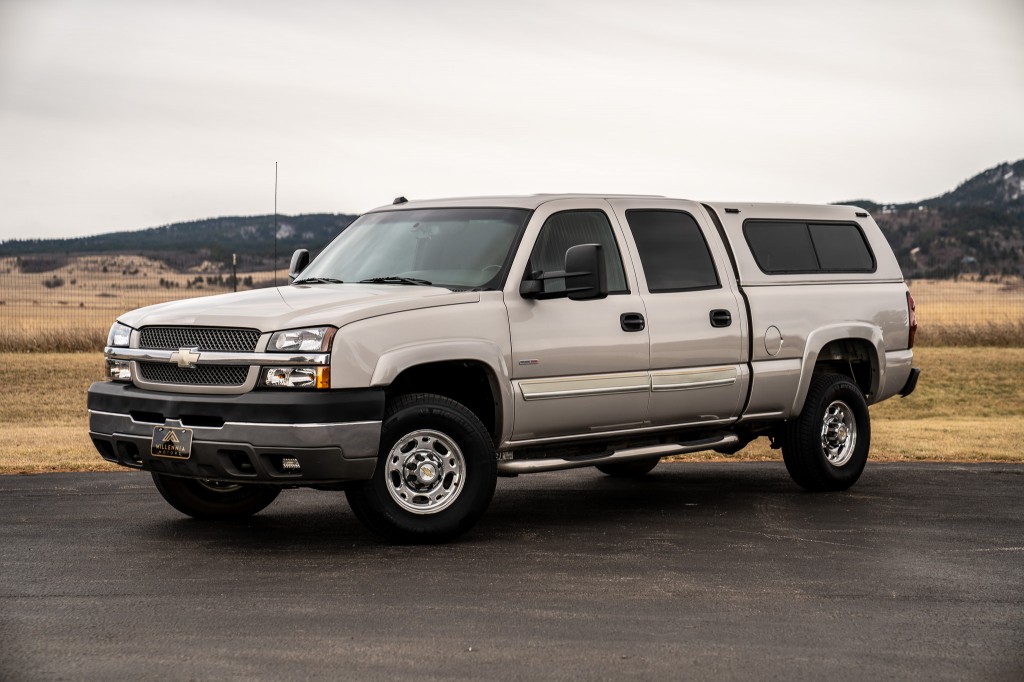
<point x="395" y="361"/>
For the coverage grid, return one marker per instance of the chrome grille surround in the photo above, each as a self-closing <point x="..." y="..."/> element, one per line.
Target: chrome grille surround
<point x="227" y="339"/>
<point x="202" y="375"/>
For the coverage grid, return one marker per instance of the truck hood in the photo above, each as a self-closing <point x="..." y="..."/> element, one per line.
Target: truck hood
<point x="296" y="306"/>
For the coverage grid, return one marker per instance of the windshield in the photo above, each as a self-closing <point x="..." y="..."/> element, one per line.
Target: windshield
<point x="449" y="247"/>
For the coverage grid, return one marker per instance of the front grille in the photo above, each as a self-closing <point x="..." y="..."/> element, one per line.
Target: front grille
<point x="203" y="375"/>
<point x="204" y="338"/>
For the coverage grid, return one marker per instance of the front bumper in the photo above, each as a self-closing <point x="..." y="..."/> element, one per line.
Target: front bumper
<point x="334" y="435"/>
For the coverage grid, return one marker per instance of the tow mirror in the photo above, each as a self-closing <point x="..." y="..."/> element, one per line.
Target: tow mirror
<point x="584" y="276"/>
<point x="300" y="259"/>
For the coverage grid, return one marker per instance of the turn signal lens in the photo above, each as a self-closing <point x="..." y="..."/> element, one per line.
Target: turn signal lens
<point x="119" y="370"/>
<point x="297" y="377"/>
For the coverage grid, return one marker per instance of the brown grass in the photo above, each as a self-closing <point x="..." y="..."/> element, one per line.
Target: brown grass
<point x="968" y="312"/>
<point x="967" y="407"/>
<point x="76" y="315"/>
<point x="44" y="424"/>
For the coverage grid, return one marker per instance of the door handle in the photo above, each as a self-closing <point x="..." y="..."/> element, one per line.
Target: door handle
<point x="721" y="318"/>
<point x="632" y="322"/>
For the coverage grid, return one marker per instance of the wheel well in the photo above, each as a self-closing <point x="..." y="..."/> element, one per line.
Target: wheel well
<point x="471" y="383"/>
<point x="854" y="358"/>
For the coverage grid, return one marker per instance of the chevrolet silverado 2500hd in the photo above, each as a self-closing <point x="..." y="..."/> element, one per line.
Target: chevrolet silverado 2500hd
<point x="437" y="345"/>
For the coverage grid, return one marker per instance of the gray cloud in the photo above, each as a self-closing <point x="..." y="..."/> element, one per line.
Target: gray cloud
<point x="121" y="115"/>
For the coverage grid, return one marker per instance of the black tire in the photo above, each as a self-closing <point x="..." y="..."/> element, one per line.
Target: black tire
<point x="435" y="476"/>
<point x="210" y="500"/>
<point x="817" y="449"/>
<point x="633" y="469"/>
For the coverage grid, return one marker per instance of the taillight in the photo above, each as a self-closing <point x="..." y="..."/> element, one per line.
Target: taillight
<point x="912" y="310"/>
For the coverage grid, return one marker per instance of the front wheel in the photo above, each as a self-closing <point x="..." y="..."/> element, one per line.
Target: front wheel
<point x="826" y="447"/>
<point x="435" y="476"/>
<point x="210" y="500"/>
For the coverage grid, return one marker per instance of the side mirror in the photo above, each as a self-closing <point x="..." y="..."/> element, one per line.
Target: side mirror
<point x="584" y="276"/>
<point x="300" y="259"/>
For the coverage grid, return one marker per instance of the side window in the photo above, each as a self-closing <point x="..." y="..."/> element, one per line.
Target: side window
<point x="570" y="228"/>
<point x="673" y="251"/>
<point x="796" y="247"/>
<point x="841" y="248"/>
<point x="781" y="247"/>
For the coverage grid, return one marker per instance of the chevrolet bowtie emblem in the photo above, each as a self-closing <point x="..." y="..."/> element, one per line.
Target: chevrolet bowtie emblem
<point x="186" y="357"/>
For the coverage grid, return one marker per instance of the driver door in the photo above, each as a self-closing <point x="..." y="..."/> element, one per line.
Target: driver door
<point x="578" y="367"/>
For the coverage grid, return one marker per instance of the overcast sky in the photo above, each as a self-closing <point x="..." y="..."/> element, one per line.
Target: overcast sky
<point x="119" y="115"/>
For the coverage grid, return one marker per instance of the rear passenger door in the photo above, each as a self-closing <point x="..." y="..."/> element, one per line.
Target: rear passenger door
<point x="696" y="321"/>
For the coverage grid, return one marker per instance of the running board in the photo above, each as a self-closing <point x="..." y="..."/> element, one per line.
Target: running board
<point x="514" y="467"/>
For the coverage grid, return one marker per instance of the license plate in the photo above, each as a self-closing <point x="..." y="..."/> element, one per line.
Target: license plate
<point x="171" y="442"/>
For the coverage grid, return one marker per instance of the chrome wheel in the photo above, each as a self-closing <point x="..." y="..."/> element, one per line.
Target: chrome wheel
<point x="838" y="433"/>
<point x="425" y="472"/>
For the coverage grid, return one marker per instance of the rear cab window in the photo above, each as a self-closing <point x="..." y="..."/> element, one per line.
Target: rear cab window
<point x="673" y="251"/>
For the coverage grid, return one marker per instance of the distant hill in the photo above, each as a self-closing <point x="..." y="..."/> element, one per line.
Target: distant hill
<point x="185" y="245"/>
<point x="976" y="228"/>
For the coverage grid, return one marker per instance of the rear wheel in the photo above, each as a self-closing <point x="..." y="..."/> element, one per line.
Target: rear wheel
<point x="633" y="469"/>
<point x="826" y="447"/>
<point x="435" y="476"/>
<point x="203" y="499"/>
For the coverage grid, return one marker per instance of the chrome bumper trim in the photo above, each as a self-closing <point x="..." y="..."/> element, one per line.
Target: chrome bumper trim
<point x="219" y="357"/>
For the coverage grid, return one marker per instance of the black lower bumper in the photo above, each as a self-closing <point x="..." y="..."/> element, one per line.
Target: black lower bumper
<point x="333" y="436"/>
<point x="288" y="407"/>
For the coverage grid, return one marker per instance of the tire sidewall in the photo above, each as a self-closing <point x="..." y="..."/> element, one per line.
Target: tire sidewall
<point x="425" y="411"/>
<point x="802" y="450"/>
<point x="192" y="498"/>
<point x="841" y="477"/>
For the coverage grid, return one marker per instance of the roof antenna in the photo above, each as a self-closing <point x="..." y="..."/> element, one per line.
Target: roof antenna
<point x="399" y="200"/>
<point x="275" y="223"/>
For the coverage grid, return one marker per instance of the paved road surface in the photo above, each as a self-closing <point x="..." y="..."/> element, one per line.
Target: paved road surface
<point x="699" y="571"/>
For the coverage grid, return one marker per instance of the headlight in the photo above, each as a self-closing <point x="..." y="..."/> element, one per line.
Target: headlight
<point x="291" y="340"/>
<point x="120" y="335"/>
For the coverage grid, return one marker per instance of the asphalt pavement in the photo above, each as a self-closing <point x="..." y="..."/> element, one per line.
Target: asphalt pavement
<point x="698" y="571"/>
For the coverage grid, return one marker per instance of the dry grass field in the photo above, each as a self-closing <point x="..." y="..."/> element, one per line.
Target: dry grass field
<point x="969" y="312"/>
<point x="38" y="314"/>
<point x="94" y="290"/>
<point x="968" y="407"/>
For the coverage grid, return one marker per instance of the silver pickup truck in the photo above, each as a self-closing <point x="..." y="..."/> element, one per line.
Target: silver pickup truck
<point x="437" y="345"/>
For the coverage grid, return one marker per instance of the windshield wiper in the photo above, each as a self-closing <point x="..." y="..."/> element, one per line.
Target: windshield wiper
<point x="318" y="280"/>
<point x="395" y="279"/>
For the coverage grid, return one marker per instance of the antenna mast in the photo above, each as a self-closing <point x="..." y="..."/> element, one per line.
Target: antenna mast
<point x="275" y="223"/>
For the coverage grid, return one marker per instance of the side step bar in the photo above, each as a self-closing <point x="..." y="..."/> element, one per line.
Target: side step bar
<point x="514" y="467"/>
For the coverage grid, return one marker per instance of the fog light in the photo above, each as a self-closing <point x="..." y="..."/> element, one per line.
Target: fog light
<point x="297" y="377"/>
<point x="119" y="370"/>
<point x="290" y="464"/>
